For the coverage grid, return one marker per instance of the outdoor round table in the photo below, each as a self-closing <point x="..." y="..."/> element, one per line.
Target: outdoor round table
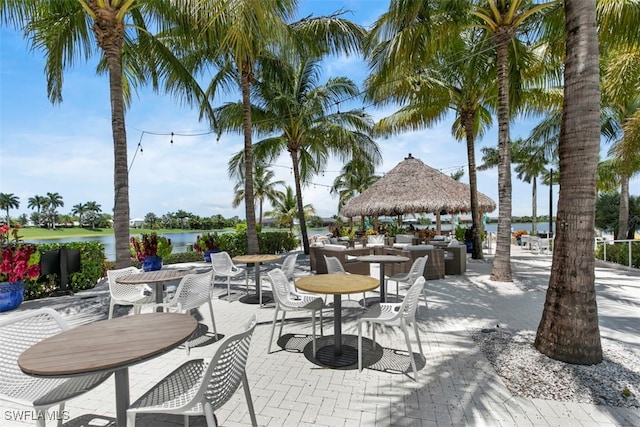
<point x="337" y="285"/>
<point x="382" y="260"/>
<point x="156" y="278"/>
<point x="108" y="345"/>
<point x="257" y="260"/>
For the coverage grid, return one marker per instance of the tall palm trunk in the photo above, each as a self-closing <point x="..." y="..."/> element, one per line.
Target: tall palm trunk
<point x="623" y="215"/>
<point x="534" y="206"/>
<point x="303" y="224"/>
<point x="473" y="184"/>
<point x="110" y="36"/>
<point x="501" y="268"/>
<point x="253" y="247"/>
<point x="568" y="330"/>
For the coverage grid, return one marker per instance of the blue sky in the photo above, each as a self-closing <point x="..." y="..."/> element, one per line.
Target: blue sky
<point x="67" y="148"/>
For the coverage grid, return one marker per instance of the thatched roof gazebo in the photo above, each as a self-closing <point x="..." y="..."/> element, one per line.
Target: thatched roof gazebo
<point x="414" y="187"/>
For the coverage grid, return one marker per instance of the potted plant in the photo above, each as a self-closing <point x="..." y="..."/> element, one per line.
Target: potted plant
<point x="149" y="249"/>
<point x="518" y="235"/>
<point x="18" y="263"/>
<point x="207" y="244"/>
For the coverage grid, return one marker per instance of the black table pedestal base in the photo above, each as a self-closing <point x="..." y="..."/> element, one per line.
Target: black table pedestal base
<point x="327" y="356"/>
<point x="255" y="299"/>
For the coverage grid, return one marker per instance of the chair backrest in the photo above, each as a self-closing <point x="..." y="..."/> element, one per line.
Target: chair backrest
<point x="18" y="333"/>
<point x="227" y="368"/>
<point x="193" y="291"/>
<point x="289" y="265"/>
<point x="417" y="268"/>
<point x="334" y="266"/>
<point x="280" y="286"/>
<point x="119" y="291"/>
<point x="410" y="302"/>
<point x="221" y="263"/>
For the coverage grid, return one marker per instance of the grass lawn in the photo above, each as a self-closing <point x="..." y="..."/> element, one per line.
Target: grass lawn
<point x="29" y="233"/>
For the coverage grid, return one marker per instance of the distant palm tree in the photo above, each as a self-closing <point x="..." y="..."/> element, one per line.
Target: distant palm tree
<point x="54" y="201"/>
<point x="93" y="210"/>
<point x="263" y="186"/>
<point x="79" y="210"/>
<point x="36" y="202"/>
<point x="355" y="177"/>
<point x="9" y="201"/>
<point x="285" y="210"/>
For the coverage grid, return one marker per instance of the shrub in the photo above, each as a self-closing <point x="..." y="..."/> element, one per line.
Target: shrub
<point x="92" y="267"/>
<point x="619" y="253"/>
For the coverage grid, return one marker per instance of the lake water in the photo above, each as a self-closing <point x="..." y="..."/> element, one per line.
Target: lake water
<point x="181" y="241"/>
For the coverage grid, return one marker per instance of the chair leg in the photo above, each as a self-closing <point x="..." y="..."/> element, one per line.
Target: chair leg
<point x="415" y="329"/>
<point x="112" y="306"/>
<point x="131" y="419"/>
<point x="313" y="332"/>
<point x="213" y="320"/>
<point x="360" y="345"/>
<point x="185" y="420"/>
<point x="247" y="394"/>
<point x="284" y="314"/>
<point x="413" y="362"/>
<point x="208" y="414"/>
<point x="273" y="327"/>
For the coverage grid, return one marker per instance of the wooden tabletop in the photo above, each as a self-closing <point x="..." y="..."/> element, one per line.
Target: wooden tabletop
<point x="382" y="258"/>
<point x="153" y="276"/>
<point x="337" y="284"/>
<point x="108" y="344"/>
<point x="250" y="259"/>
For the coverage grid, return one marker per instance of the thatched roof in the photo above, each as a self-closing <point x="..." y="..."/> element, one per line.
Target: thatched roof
<point x="413" y="187"/>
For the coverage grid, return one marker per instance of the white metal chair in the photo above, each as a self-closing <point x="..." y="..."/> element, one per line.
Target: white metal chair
<point x="416" y="270"/>
<point x="17" y="334"/>
<point x="334" y="266"/>
<point x="223" y="266"/>
<point x="200" y="387"/>
<point x="193" y="291"/>
<point x="136" y="295"/>
<point x="395" y="314"/>
<point x="285" y="302"/>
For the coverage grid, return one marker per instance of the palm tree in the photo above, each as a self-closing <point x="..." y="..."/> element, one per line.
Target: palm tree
<point x="93" y="210"/>
<point x="355" y="177"/>
<point x="9" y="201"/>
<point x="503" y="19"/>
<point x="79" y="210"/>
<point x="285" y="209"/>
<point x="53" y="201"/>
<point x="531" y="163"/>
<point x="264" y="186"/>
<point x="458" y="78"/>
<point x="71" y="30"/>
<point x="289" y="101"/>
<point x="568" y="330"/>
<point x="233" y="36"/>
<point x="36" y="202"/>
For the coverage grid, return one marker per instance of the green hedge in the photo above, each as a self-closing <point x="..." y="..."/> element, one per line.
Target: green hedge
<point x="619" y="253"/>
<point x="92" y="263"/>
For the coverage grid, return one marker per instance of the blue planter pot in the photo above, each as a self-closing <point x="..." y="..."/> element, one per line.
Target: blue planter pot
<point x="11" y="295"/>
<point x="469" y="246"/>
<point x="152" y="263"/>
<point x="207" y="254"/>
